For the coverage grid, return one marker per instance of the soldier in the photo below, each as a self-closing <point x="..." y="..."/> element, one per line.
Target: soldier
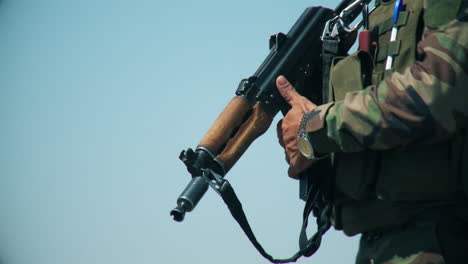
<point x="399" y="144"/>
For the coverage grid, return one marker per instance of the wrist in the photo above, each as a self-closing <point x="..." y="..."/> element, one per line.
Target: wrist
<point x="304" y="143"/>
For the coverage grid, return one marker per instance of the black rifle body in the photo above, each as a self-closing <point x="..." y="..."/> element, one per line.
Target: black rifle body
<point x="297" y="56"/>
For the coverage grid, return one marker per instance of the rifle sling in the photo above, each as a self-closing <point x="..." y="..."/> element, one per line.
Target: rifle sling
<point x="307" y="246"/>
<point x="330" y="49"/>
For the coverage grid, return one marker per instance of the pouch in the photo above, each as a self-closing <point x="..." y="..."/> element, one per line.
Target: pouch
<point x="355" y="172"/>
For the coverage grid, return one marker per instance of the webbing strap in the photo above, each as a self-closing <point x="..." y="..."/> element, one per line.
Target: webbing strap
<point x="388" y="24"/>
<point x="387" y="73"/>
<point x="330" y="49"/>
<point x="391" y="49"/>
<point x="307" y="246"/>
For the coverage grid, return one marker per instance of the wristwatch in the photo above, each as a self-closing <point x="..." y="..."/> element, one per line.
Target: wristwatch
<point x="303" y="140"/>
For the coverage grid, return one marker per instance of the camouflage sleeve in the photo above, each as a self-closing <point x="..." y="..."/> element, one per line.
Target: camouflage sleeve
<point x="423" y="104"/>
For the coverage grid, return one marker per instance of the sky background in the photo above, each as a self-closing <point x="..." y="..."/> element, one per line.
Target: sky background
<point x="98" y="98"/>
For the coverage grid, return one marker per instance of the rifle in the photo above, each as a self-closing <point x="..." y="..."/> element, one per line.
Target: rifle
<point x="250" y="113"/>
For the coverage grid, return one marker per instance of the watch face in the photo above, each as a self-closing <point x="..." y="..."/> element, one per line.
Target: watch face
<point x="305" y="147"/>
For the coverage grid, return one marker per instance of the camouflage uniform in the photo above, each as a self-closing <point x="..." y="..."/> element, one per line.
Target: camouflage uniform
<point x="406" y="119"/>
<point x="422" y="104"/>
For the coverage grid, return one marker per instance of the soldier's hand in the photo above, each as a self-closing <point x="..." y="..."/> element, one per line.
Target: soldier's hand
<point x="287" y="127"/>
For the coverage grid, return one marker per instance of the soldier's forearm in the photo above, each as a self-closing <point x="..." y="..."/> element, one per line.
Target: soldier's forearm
<point x="423" y="104"/>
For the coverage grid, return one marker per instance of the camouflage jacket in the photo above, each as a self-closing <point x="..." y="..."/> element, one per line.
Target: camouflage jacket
<point x="425" y="103"/>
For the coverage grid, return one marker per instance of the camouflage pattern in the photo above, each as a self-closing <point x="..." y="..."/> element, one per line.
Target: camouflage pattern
<point x="426" y="102"/>
<point x="414" y="244"/>
<point x="432" y="238"/>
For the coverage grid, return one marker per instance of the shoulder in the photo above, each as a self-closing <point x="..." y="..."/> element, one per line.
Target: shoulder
<point x="438" y="13"/>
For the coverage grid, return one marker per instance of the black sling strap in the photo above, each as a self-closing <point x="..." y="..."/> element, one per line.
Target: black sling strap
<point x="330" y="49"/>
<point x="307" y="246"/>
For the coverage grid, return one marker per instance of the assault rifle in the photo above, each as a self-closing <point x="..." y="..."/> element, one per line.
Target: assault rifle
<point x="299" y="56"/>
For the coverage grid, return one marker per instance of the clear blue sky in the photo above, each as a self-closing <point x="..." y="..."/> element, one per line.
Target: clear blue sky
<point x="97" y="99"/>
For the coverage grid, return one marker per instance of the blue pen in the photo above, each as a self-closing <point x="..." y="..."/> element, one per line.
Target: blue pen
<point x="393" y="36"/>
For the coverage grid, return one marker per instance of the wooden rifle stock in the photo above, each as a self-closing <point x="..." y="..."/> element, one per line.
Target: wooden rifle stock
<point x="234" y="130"/>
<point x="258" y="122"/>
<point x="226" y="123"/>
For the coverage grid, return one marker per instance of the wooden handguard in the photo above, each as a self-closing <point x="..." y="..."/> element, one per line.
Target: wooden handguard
<point x="229" y="120"/>
<point x="257" y="123"/>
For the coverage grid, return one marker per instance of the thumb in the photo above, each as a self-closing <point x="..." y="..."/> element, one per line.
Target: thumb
<point x="287" y="90"/>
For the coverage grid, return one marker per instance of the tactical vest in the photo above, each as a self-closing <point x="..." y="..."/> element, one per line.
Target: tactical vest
<point x="380" y="189"/>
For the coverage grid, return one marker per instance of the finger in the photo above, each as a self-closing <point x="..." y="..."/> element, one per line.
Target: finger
<point x="279" y="133"/>
<point x="299" y="165"/>
<point x="286" y="157"/>
<point x="292" y="173"/>
<point x="292" y="170"/>
<point x="287" y="90"/>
